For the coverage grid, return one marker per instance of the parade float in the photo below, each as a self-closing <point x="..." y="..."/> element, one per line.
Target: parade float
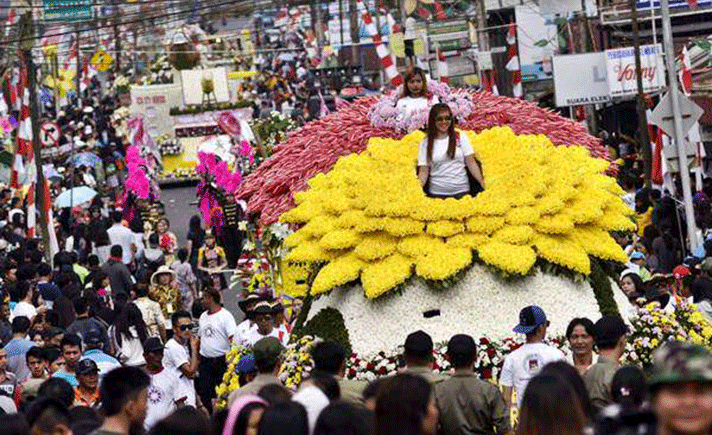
<point x="374" y="258"/>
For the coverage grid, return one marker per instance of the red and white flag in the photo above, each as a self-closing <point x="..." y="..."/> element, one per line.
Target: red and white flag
<point x="382" y="50"/>
<point x="493" y="80"/>
<point x="685" y="73"/>
<point x="513" y="61"/>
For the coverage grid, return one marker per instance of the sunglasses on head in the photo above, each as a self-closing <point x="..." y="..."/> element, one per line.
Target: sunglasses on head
<point x="185" y="327"/>
<point x="443" y="118"/>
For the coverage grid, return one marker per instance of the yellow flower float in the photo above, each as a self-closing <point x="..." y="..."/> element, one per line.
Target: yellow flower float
<point x="369" y="219"/>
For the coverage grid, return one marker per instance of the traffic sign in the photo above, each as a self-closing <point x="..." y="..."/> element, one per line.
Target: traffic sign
<point x="102" y="60"/>
<point x="662" y="115"/>
<point x="49" y="134"/>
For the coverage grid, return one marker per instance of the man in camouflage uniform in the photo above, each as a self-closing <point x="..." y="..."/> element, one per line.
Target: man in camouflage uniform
<point x="610" y="334"/>
<point x="418" y="355"/>
<point x="467" y="404"/>
<point x="681" y="389"/>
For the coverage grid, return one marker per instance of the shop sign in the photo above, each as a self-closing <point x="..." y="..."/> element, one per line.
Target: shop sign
<point x="580" y="79"/>
<point x="620" y="65"/>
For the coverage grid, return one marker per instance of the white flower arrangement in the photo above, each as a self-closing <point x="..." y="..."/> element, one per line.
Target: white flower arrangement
<point x="481" y="304"/>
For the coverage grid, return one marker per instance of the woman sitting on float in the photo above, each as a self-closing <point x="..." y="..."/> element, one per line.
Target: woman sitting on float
<point x="415" y="93"/>
<point x="446" y="163"/>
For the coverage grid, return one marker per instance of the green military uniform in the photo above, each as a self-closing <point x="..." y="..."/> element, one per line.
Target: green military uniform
<point x="598" y="380"/>
<point x="426" y="373"/>
<point x="469" y="405"/>
<point x="252" y="388"/>
<point x="351" y="391"/>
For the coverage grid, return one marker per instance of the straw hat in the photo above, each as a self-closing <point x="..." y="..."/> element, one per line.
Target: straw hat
<point x="162" y="270"/>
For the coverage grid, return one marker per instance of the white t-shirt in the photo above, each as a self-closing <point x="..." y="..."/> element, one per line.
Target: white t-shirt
<point x="131" y="351"/>
<point x="216" y="332"/>
<point x="242" y="330"/>
<point x="524" y="363"/>
<point x="253" y="336"/>
<point x="25" y="309"/>
<point x="174" y="356"/>
<point x="447" y="176"/>
<point x="406" y="106"/>
<point x="162" y="395"/>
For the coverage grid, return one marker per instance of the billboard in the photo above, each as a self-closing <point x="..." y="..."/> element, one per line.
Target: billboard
<point x="590" y="85"/>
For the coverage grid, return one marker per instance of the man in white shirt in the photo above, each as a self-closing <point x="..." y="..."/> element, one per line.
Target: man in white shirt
<point x="24" y="307"/>
<point x="164" y="392"/>
<point x="217" y="329"/>
<point x="264" y="319"/>
<point x="180" y="358"/>
<point x="120" y="235"/>
<point x="524" y="363"/>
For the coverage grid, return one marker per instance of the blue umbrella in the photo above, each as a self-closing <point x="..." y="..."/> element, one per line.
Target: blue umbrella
<point x="81" y="195"/>
<point x="84" y="159"/>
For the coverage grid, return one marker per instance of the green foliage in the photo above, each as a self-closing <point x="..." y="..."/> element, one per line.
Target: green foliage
<point x="601" y="285"/>
<point x="328" y="324"/>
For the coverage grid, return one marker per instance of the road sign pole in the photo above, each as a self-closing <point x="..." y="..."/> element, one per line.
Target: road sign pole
<point x="677" y="117"/>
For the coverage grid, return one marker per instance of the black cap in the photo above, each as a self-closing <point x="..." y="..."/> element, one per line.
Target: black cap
<point x="418" y="343"/>
<point x="86" y="366"/>
<point x="93" y="337"/>
<point x="152" y="344"/>
<point x="461" y="344"/>
<point x="608" y="330"/>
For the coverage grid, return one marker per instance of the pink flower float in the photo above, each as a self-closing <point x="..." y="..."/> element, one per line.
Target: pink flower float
<point x="218" y="182"/>
<point x="315" y="147"/>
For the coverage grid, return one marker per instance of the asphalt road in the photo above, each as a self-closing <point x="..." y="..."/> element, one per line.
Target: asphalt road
<point x="179" y="210"/>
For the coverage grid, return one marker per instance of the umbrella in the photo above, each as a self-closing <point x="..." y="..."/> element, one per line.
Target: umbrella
<point x="84" y="159"/>
<point x="286" y="57"/>
<point x="82" y="194"/>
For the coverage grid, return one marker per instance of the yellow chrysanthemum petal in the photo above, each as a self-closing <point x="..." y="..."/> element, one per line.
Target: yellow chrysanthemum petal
<point x="515" y="234"/>
<point x="309" y="252"/>
<point x="442" y="263"/>
<point x="510" y="258"/>
<point x="467" y="240"/>
<point x="445" y="228"/>
<point x="401" y="227"/>
<point x="485" y="224"/>
<point x="339" y="239"/>
<point x="414" y="246"/>
<point x="380" y="277"/>
<point x="375" y="246"/>
<point x="523" y="215"/>
<point x="338" y="272"/>
<point x="562" y="250"/>
<point x="556" y="224"/>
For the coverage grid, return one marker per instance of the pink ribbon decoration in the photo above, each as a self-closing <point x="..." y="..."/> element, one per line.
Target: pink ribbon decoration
<point x="229" y="123"/>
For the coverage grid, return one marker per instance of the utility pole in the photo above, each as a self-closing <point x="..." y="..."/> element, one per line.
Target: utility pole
<point x="481" y="25"/>
<point x="78" y="76"/>
<point x="341" y="27"/>
<point x="669" y="50"/>
<point x="353" y="20"/>
<point x="27" y="31"/>
<point x="640" y="106"/>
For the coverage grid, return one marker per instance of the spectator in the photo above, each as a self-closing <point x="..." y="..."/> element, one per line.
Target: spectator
<point x="418" y="355"/>
<point x="217" y="329"/>
<point x="126" y="335"/>
<point x="37" y="364"/>
<point x="629" y="388"/>
<point x="275" y="393"/>
<point x="405" y="405"/>
<point x="181" y="355"/>
<point x="610" y="333"/>
<point x="105" y="363"/>
<point x="87" y="391"/>
<point x="123" y="237"/>
<point x="58" y="389"/>
<point x="25" y="307"/>
<point x="71" y="347"/>
<point x="247" y="306"/>
<point x="465" y="403"/>
<point x="340" y="418"/>
<point x="45" y="287"/>
<point x="151" y="313"/>
<point x="16" y="349"/>
<point x="119" y="276"/>
<point x="268" y="357"/>
<point x="579" y="333"/>
<point x="567" y="372"/>
<point x="123" y="393"/>
<point x="525" y="362"/>
<point x="164" y="389"/>
<point x="244" y="416"/>
<point x="5" y="325"/>
<point x="54" y="359"/>
<point x="681" y="389"/>
<point x="86" y="324"/>
<point x="185" y="279"/>
<point x="8" y="380"/>
<point x="185" y="421"/>
<point x="288" y="418"/>
<point x="48" y="415"/>
<point x="541" y="410"/>
<point x="330" y="357"/>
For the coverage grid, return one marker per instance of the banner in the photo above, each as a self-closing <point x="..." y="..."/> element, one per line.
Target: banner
<point x="620" y="65"/>
<point x="590" y="86"/>
<point x="153" y="103"/>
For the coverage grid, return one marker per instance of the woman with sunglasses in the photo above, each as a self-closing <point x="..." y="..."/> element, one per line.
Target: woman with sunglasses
<point x="445" y="157"/>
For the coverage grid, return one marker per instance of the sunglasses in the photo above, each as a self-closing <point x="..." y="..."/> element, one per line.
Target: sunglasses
<point x="443" y="118"/>
<point x="185" y="327"/>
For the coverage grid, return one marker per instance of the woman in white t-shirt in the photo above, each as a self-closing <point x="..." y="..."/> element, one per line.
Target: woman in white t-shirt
<point x="415" y="94"/>
<point x="127" y="335"/>
<point x="445" y="156"/>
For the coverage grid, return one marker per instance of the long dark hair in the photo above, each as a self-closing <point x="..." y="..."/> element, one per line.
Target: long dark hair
<point x="541" y="412"/>
<point x="401" y="404"/>
<point x="195" y="224"/>
<point x="568" y="373"/>
<point x="433" y="131"/>
<point x="415" y="71"/>
<point x="287" y="418"/>
<point x="130" y="316"/>
<point x="243" y="417"/>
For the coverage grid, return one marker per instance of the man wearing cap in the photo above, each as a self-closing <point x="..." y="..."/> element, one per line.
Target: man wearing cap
<point x="268" y="358"/>
<point x="163" y="393"/>
<point x="94" y="342"/>
<point x="681" y="389"/>
<point x="418" y="355"/>
<point x="467" y="404"/>
<point x="87" y="392"/>
<point x="636" y="262"/>
<point x="522" y="364"/>
<point x="610" y="334"/>
<point x="246" y="369"/>
<point x="263" y="313"/>
<point x="216" y="330"/>
<point x="247" y="306"/>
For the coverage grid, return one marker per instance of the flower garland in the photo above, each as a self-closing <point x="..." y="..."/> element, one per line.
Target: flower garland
<point x="384" y="113"/>
<point x="230" y="380"/>
<point x="369" y="219"/>
<point x="316" y="147"/>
